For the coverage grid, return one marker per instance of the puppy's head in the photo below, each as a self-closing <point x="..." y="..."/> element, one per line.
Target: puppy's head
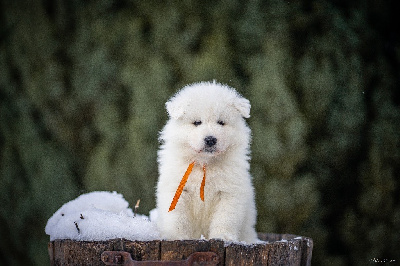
<point x="207" y="119"/>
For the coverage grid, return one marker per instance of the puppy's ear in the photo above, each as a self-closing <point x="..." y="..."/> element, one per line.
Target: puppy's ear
<point x="174" y="108"/>
<point x="243" y="106"/>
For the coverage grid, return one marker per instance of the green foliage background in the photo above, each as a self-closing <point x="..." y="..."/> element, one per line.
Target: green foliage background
<point x="82" y="92"/>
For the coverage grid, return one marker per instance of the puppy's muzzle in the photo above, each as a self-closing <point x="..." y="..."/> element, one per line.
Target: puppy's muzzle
<point x="209" y="143"/>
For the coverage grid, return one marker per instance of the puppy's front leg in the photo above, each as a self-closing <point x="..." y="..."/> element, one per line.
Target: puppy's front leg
<point x="173" y="225"/>
<point x="228" y="218"/>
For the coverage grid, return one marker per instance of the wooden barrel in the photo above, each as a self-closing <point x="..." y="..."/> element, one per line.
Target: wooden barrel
<point x="280" y="249"/>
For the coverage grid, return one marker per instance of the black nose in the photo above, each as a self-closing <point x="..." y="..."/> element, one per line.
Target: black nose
<point x="210" y="141"/>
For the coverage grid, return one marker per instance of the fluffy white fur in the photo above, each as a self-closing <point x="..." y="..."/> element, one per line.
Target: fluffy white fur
<point x="228" y="211"/>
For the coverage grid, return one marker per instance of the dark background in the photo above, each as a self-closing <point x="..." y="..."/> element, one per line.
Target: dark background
<point x="82" y="92"/>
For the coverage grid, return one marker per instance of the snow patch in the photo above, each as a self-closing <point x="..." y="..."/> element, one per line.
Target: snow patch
<point x="99" y="216"/>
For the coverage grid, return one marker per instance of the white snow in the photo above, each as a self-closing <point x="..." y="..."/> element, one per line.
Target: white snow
<point x="153" y="215"/>
<point x="98" y="216"/>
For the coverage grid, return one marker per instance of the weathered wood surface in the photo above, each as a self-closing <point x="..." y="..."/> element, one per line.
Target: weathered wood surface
<point x="279" y="250"/>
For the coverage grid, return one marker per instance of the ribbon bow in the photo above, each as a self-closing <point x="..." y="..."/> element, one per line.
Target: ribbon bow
<point x="182" y="185"/>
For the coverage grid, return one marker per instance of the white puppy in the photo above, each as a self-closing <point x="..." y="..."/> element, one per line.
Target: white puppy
<point x="206" y="129"/>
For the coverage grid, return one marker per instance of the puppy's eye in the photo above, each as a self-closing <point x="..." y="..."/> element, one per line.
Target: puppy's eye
<point x="220" y="122"/>
<point x="197" y="123"/>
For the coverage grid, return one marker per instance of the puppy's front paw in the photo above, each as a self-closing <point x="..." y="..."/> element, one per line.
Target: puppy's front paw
<point x="224" y="235"/>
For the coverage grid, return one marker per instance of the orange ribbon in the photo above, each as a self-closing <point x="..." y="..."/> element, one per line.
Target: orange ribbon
<point x="183" y="183"/>
<point x="203" y="183"/>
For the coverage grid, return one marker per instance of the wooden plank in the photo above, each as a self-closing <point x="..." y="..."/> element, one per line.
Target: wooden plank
<point x="181" y="249"/>
<point x="237" y="254"/>
<point x="69" y="252"/>
<point x="143" y="250"/>
<point x="298" y="247"/>
<point x="307" y="247"/>
<point x="285" y="252"/>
